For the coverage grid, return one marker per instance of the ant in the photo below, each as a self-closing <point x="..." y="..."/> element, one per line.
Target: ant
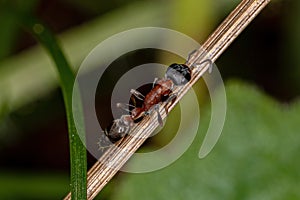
<point x="162" y="91"/>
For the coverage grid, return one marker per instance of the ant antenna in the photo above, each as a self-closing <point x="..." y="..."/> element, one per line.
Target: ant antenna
<point x="102" y="148"/>
<point x="103" y="140"/>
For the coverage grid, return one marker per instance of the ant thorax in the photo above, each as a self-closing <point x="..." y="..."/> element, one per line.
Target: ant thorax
<point x="166" y="84"/>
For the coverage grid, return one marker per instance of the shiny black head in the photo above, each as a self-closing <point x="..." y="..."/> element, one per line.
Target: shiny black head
<point x="180" y="74"/>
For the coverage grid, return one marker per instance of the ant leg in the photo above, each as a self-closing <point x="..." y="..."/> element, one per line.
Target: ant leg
<point x="154" y="82"/>
<point x="206" y="61"/>
<point x="137" y="94"/>
<point x="124" y="106"/>
<point x="155" y="108"/>
<point x="159" y="118"/>
<point x="170" y="99"/>
<point x="190" y="55"/>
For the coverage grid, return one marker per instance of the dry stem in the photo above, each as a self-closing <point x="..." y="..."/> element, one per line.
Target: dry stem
<point x="114" y="158"/>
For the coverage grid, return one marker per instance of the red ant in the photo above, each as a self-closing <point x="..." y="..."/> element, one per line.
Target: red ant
<point x="162" y="91"/>
<point x="176" y="75"/>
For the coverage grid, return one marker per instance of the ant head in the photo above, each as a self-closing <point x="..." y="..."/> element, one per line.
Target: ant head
<point x="126" y="121"/>
<point x="180" y="74"/>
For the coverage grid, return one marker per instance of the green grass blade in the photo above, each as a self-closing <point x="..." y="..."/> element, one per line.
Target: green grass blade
<point x="67" y="78"/>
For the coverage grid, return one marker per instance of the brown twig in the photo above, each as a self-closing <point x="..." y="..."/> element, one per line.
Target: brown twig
<point x="114" y="158"/>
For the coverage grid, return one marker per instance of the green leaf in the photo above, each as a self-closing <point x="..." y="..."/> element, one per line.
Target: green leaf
<point x="257" y="156"/>
<point x="67" y="78"/>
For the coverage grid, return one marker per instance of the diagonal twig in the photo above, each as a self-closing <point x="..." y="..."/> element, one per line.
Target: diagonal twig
<point x="114" y="158"/>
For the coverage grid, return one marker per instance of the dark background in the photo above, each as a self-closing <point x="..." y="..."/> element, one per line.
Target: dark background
<point x="33" y="135"/>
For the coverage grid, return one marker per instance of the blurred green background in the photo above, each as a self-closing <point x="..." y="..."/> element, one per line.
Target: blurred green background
<point x="257" y="154"/>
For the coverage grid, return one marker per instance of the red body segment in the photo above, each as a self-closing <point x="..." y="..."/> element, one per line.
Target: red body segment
<point x="163" y="88"/>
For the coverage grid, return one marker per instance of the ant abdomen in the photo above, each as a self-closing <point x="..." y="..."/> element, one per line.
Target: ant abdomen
<point x="180" y="74"/>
